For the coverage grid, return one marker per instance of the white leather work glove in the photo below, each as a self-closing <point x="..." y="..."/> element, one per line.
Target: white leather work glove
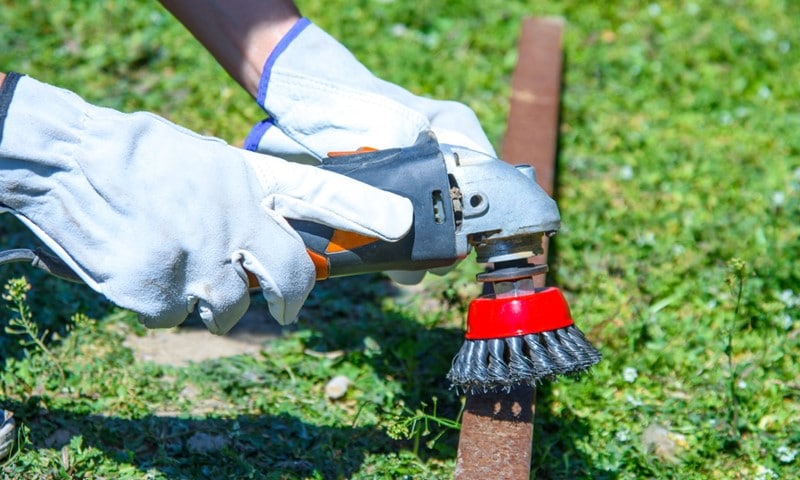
<point x="163" y="221"/>
<point x="320" y="99"/>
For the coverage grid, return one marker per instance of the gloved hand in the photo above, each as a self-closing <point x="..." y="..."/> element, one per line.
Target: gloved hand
<point x="163" y="221"/>
<point x="320" y="98"/>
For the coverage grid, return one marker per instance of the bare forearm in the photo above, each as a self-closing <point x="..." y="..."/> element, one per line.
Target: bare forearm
<point x="239" y="33"/>
<point x="2" y="78"/>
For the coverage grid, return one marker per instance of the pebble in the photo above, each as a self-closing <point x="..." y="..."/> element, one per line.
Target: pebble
<point x="336" y="387"/>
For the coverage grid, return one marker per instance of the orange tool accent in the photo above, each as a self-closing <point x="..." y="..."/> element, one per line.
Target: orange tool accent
<point x="320" y="264"/>
<point x="252" y="281"/>
<point x="352" y="152"/>
<point x="342" y="241"/>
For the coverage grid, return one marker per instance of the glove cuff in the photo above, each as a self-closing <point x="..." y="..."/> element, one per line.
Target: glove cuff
<point x="323" y="99"/>
<point x="282" y="45"/>
<point x="266" y="138"/>
<point x="263" y="137"/>
<point x="320" y="98"/>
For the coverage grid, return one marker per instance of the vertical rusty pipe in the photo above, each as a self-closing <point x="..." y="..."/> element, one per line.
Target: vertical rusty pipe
<point x="497" y="428"/>
<point x="532" y="133"/>
<point x="496" y="435"/>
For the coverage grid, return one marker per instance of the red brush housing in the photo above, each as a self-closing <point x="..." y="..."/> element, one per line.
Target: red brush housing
<point x="511" y="316"/>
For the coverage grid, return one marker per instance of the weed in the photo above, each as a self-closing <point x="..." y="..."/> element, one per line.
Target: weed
<point x="737" y="272"/>
<point x="22" y="324"/>
<point x="416" y="425"/>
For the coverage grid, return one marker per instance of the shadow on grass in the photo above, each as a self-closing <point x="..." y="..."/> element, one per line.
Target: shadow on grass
<point x="283" y="446"/>
<point x="263" y="446"/>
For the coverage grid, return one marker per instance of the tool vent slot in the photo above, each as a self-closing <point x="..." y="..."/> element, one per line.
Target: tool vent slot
<point x="438" y="207"/>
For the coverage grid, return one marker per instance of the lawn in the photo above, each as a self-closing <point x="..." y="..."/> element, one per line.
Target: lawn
<point x="679" y="189"/>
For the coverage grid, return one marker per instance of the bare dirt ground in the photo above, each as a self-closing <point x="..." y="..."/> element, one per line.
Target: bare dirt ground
<point x="193" y="343"/>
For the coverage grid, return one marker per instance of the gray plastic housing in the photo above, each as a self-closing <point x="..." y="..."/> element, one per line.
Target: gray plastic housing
<point x="462" y="199"/>
<point x="418" y="173"/>
<point x="505" y="212"/>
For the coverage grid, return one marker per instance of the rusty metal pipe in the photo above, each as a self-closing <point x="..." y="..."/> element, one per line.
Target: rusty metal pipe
<point x="496" y="435"/>
<point x="497" y="428"/>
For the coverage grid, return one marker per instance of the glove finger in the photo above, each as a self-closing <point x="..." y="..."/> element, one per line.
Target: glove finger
<point x="456" y="124"/>
<point x="220" y="314"/>
<point x="163" y="319"/>
<point x="219" y="301"/>
<point x="378" y="216"/>
<point x="285" y="272"/>
<point x="308" y="193"/>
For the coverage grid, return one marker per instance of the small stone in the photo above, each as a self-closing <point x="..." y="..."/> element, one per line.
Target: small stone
<point x="662" y="443"/>
<point x="336" y="387"/>
<point x="786" y="454"/>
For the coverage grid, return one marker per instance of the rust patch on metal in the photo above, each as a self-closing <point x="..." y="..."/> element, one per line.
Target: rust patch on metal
<point x="496" y="435"/>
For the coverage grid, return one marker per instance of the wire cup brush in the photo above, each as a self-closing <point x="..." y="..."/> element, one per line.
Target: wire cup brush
<point x="519" y="335"/>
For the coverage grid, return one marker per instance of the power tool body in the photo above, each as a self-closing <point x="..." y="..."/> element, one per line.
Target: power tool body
<point x="462" y="199"/>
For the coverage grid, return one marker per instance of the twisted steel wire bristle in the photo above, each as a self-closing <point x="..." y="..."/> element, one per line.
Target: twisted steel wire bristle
<point x="483" y="365"/>
<point x="519" y="365"/>
<point x="562" y="359"/>
<point x="498" y="368"/>
<point x="470" y="362"/>
<point x="538" y="354"/>
<point x="581" y="349"/>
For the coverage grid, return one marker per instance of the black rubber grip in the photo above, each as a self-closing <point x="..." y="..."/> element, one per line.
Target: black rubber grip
<point x="418" y="173"/>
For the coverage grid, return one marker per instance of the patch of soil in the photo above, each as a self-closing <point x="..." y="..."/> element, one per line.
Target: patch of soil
<point x="191" y="342"/>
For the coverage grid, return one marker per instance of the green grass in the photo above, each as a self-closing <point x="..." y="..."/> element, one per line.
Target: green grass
<point x="679" y="188"/>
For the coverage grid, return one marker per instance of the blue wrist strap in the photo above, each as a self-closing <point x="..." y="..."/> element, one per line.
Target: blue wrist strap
<point x="259" y="129"/>
<point x="282" y="45"/>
